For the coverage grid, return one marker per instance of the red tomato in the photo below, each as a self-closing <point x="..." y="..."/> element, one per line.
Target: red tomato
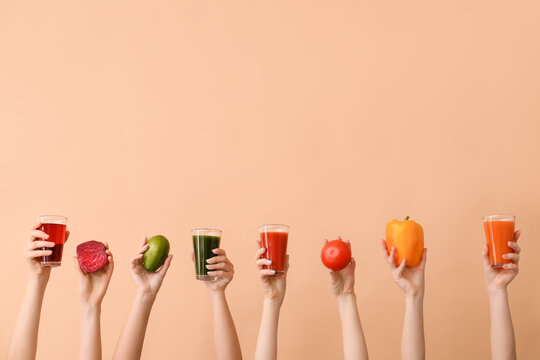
<point x="336" y="255"/>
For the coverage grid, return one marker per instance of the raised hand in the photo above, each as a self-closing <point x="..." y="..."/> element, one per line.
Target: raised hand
<point x="147" y="282"/>
<point x="498" y="278"/>
<point x="225" y="336"/>
<point x="130" y="343"/>
<point x="93" y="286"/>
<point x="34" y="251"/>
<point x="221" y="267"/>
<point x="274" y="292"/>
<point x="342" y="281"/>
<point x="25" y="333"/>
<point x="273" y="286"/>
<point x="409" y="279"/>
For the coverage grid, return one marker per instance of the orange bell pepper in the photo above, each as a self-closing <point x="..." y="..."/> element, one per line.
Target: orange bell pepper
<point x="407" y="237"/>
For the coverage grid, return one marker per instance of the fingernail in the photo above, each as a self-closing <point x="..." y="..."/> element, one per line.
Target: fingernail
<point x="261" y="249"/>
<point x="208" y="260"/>
<point x="273" y="271"/>
<point x="207" y="266"/>
<point x="214" y="251"/>
<point x="509" y="243"/>
<point x="268" y="262"/>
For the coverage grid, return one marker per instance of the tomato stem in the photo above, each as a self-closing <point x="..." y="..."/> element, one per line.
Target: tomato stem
<point x="406" y="218"/>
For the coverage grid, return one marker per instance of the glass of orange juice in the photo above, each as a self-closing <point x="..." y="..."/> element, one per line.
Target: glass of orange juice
<point x="499" y="231"/>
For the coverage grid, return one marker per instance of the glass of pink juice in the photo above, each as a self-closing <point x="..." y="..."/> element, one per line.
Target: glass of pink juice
<point x="55" y="227"/>
<point x="274" y="239"/>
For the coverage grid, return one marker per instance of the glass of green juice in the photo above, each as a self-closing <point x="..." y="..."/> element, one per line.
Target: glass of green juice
<point x="204" y="241"/>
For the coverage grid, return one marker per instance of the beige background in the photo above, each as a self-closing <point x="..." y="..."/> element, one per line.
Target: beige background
<point x="138" y="117"/>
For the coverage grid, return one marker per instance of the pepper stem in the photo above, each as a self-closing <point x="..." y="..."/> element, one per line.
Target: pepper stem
<point x="406" y="218"/>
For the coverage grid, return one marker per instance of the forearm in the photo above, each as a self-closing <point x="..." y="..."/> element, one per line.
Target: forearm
<point x="412" y="339"/>
<point x="130" y="343"/>
<point x="25" y="334"/>
<point x="225" y="336"/>
<point x="354" y="344"/>
<point x="90" y="346"/>
<point x="267" y="339"/>
<point x="503" y="346"/>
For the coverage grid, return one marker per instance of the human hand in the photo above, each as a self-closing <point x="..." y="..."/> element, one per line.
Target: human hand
<point x="342" y="282"/>
<point x="499" y="278"/>
<point x="409" y="279"/>
<point x="273" y="286"/>
<point x="93" y="286"/>
<point x="147" y="282"/>
<point x="219" y="266"/>
<point x="34" y="251"/>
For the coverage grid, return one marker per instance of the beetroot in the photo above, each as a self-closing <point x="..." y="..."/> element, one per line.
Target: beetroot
<point x="92" y="256"/>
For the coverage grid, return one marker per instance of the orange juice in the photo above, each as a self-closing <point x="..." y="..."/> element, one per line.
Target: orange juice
<point x="499" y="231"/>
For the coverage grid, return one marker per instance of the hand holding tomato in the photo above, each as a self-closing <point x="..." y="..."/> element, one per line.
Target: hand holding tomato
<point x="409" y="279"/>
<point x="336" y="254"/>
<point x="342" y="281"/>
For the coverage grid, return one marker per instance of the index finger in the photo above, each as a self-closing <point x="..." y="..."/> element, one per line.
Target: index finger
<point x="36" y="226"/>
<point x="37" y="234"/>
<point x="517" y="234"/>
<point x="219" y="251"/>
<point x="259" y="253"/>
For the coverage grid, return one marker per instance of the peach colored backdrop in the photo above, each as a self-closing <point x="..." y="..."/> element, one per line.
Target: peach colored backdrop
<point x="137" y="117"/>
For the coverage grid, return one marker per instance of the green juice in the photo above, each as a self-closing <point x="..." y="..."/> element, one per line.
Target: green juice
<point x="202" y="249"/>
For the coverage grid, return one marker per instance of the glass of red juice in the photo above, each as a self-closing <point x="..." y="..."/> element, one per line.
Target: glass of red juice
<point x="499" y="231"/>
<point x="274" y="239"/>
<point x="55" y="227"/>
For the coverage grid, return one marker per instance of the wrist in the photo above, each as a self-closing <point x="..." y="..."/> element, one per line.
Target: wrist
<point x="497" y="291"/>
<point x="416" y="298"/>
<point x="272" y="303"/>
<point x="90" y="308"/>
<point x="345" y="296"/>
<point x="38" y="281"/>
<point x="145" y="297"/>
<point x="216" y="294"/>
<point x="85" y="302"/>
<point x="344" y="301"/>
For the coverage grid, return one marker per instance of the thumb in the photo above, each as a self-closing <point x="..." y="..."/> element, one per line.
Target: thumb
<point x="77" y="266"/>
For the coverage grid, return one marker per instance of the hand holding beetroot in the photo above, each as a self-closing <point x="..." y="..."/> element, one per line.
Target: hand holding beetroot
<point x="95" y="265"/>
